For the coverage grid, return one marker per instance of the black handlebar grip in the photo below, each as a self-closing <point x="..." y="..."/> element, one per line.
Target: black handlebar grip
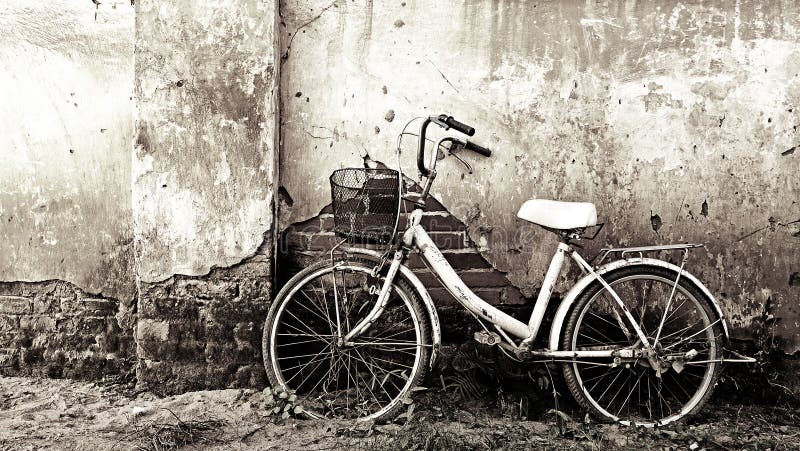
<point x="463" y="128"/>
<point x="478" y="149"/>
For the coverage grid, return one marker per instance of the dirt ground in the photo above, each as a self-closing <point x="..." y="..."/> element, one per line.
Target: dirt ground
<point x="63" y="414"/>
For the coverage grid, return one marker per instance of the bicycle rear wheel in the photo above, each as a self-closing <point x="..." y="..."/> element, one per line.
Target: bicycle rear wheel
<point x="366" y="379"/>
<point x="633" y="391"/>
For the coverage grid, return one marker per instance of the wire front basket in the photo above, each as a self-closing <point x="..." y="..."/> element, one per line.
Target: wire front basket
<point x="366" y="204"/>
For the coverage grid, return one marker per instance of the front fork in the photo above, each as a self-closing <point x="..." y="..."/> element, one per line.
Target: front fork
<point x="380" y="304"/>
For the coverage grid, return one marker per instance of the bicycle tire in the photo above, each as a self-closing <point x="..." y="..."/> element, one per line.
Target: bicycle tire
<point x="403" y="290"/>
<point x="688" y="290"/>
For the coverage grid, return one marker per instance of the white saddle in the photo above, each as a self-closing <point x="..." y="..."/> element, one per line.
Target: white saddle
<point x="559" y="215"/>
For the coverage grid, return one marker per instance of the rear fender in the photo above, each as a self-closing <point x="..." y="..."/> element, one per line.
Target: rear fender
<point x="416" y="284"/>
<point x="572" y="295"/>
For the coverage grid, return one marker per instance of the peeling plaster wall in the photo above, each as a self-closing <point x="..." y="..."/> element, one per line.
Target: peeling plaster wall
<point x="66" y="127"/>
<point x="202" y="190"/>
<point x="66" y="239"/>
<point x="203" y="163"/>
<point x="148" y="219"/>
<point x="678" y="119"/>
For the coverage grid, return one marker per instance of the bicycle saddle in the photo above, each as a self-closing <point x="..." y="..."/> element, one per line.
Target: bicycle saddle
<point x="558" y="215"/>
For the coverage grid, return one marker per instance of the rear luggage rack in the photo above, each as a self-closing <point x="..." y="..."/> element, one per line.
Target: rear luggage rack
<point x="641" y="250"/>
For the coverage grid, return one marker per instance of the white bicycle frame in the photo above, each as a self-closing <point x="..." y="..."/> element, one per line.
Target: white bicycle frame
<point x="416" y="237"/>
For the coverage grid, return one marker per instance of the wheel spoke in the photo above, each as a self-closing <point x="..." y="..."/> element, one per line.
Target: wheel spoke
<point x="327" y="320"/>
<point x="625" y="402"/>
<point x="692" y="336"/>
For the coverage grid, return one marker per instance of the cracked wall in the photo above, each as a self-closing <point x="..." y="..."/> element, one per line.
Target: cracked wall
<point x="66" y="239"/>
<point x="136" y="203"/>
<point x="202" y="190"/>
<point x="678" y="119"/>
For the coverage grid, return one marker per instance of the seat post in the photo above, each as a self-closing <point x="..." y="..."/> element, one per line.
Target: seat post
<point x="550" y="279"/>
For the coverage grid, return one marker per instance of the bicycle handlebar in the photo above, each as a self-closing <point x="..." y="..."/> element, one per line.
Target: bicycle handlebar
<point x="421" y="150"/>
<point x="446" y="122"/>
<point x="477" y="149"/>
<point x="458" y="126"/>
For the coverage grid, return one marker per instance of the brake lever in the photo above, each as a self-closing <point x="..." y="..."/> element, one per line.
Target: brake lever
<point x="453" y="153"/>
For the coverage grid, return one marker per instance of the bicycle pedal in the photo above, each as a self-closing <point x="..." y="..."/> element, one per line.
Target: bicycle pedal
<point x="487" y="338"/>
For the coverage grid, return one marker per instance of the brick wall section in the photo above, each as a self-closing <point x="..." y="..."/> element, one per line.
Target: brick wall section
<point x="198" y="333"/>
<point x="307" y="242"/>
<point x="55" y="329"/>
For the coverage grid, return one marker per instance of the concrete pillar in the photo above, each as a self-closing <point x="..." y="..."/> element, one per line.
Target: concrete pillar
<point x="203" y="171"/>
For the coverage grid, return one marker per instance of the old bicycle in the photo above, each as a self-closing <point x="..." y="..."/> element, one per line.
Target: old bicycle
<point x="640" y="339"/>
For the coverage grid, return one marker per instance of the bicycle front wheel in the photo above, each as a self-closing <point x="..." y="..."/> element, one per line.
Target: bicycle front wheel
<point x="366" y="379"/>
<point x="686" y="331"/>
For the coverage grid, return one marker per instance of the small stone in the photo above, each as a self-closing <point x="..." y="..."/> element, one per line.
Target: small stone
<point x="298" y="94"/>
<point x="377" y="129"/>
<point x="399" y="23"/>
<point x="384" y="89"/>
<point x="389" y="116"/>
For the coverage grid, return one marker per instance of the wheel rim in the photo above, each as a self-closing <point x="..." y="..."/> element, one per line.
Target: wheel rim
<point x="364" y="380"/>
<point x="631" y="392"/>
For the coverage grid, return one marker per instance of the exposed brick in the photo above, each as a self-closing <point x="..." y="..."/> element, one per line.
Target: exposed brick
<point x="224" y="353"/>
<point x="249" y="270"/>
<point x="260" y="288"/>
<point x="163" y="377"/>
<point x="8" y="323"/>
<point x="148" y="329"/>
<point x="221" y="374"/>
<point x="473" y="278"/>
<point x="98" y="306"/>
<point x="427" y="278"/>
<point x="441" y="296"/>
<point x="46" y="303"/>
<point x="69" y="306"/>
<point x="59" y="331"/>
<point x="15" y="338"/>
<point x="323" y="242"/>
<point x="250" y="376"/>
<point x="491" y="295"/>
<point x="245" y="334"/>
<point x="483" y="278"/>
<point x="8" y="357"/>
<point x="466" y="260"/>
<point x="188" y="349"/>
<point x="86" y="325"/>
<point x="206" y="289"/>
<point x="38" y="323"/>
<point x="458" y="260"/>
<point x="157" y="350"/>
<point x="512" y="296"/>
<point x="167" y="307"/>
<point x="445" y="223"/>
<point x="326" y="222"/>
<point x="15" y="305"/>
<point x="449" y="240"/>
<point x="227" y="314"/>
<point x="307" y="227"/>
